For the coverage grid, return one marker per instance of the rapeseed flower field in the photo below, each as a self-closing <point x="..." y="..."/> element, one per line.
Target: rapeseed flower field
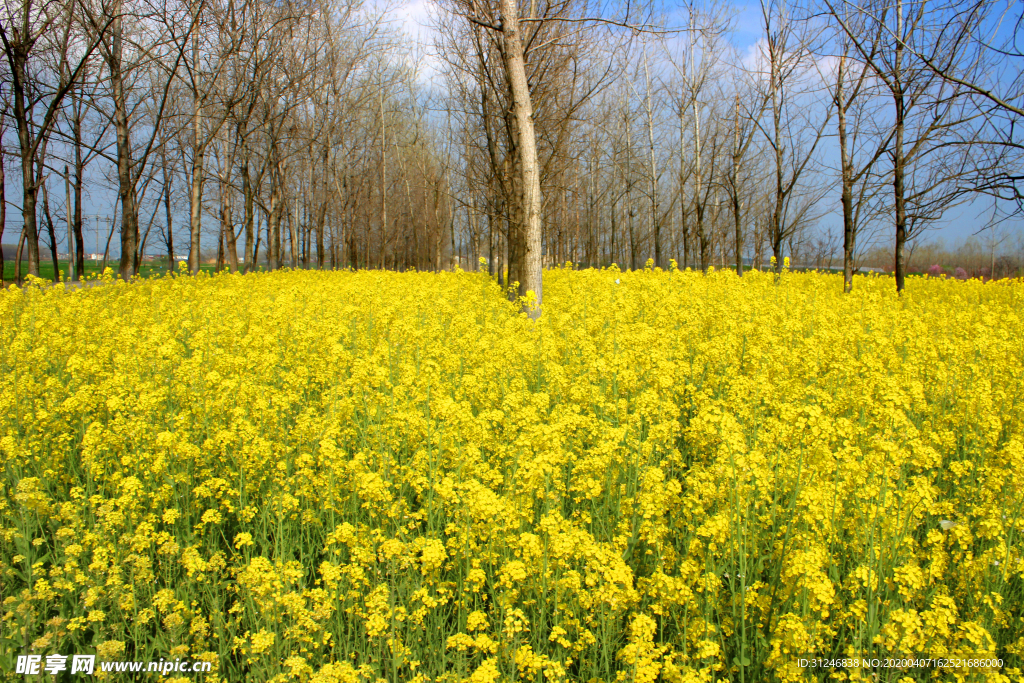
<point x="369" y="477"/>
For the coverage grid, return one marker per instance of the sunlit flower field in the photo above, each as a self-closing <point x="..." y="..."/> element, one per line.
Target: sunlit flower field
<point x="307" y="476"/>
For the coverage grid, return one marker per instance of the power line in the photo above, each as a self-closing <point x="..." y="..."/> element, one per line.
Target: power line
<point x="96" y="224"/>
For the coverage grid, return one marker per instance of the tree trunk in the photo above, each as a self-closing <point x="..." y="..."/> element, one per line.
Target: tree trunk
<point x="259" y="236"/>
<point x="612" y="257"/>
<point x="3" y="207"/>
<point x="78" y="189"/>
<point x="19" y="57"/>
<point x="346" y="224"/>
<point x="899" y="159"/>
<point x="655" y="223"/>
<point x="630" y="212"/>
<point x="126" y="187"/>
<point x="703" y="243"/>
<point x="847" y="179"/>
<point x="274" y="218"/>
<point x="198" y="156"/>
<point x="737" y="205"/>
<point x="333" y="245"/>
<point x="274" y="231"/>
<point x="383" y="182"/>
<point x="302" y="229"/>
<point x="776" y="224"/>
<point x="490" y="237"/>
<point x="293" y="227"/>
<point x="220" y="245"/>
<point x="474" y="228"/>
<point x="515" y="65"/>
<point x="776" y="242"/>
<point x="196" y="203"/>
<point x="683" y="227"/>
<point x="592" y="256"/>
<point x="171" y="265"/>
<point x="17" y="257"/>
<point x="72" y="260"/>
<point x="50" y="231"/>
<point x="228" y="228"/>
<point x="698" y="179"/>
<point x="247" y="197"/>
<point x="321" y="219"/>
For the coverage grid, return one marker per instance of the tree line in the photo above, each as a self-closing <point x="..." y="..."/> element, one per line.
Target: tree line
<point x="309" y="134"/>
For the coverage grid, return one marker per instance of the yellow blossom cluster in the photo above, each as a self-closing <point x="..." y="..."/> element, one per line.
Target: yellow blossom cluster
<point x="669" y="476"/>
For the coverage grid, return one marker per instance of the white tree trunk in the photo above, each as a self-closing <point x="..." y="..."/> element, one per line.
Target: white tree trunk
<point x="515" y="64"/>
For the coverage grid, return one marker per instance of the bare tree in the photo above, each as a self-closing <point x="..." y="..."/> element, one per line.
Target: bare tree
<point x="748" y="108"/>
<point x="976" y="46"/>
<point x="862" y="141"/>
<point x="796" y="120"/>
<point x="3" y="187"/>
<point x="28" y="31"/>
<point x="698" y="66"/>
<point x="517" y="39"/>
<point x="934" y="131"/>
<point x="138" y="53"/>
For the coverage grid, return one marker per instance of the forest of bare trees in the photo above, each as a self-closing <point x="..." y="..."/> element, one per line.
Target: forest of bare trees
<point x="315" y="134"/>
